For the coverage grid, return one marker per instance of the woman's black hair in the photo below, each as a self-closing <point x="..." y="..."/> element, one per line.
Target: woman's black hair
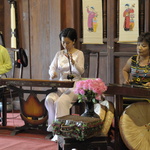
<point x="69" y="33"/>
<point x="145" y="37"/>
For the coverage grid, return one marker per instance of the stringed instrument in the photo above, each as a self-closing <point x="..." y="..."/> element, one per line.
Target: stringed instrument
<point x="32" y="108"/>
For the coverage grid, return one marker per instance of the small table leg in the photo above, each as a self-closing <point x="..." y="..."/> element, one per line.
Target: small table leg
<point x="4" y="111"/>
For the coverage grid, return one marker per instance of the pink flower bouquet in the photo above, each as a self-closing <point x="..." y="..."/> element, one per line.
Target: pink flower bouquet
<point x="90" y="90"/>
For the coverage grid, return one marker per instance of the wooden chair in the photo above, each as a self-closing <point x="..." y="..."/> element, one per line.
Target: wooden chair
<point x="78" y="108"/>
<point x="101" y="140"/>
<point x="87" y="55"/>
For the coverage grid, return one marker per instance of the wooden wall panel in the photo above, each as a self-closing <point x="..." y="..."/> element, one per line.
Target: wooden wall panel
<point x="23" y="30"/>
<point x="23" y="33"/>
<point x="44" y="31"/>
<point x="7" y="31"/>
<point x="71" y="17"/>
<point x="2" y="16"/>
<point x="147" y="16"/>
<point x="40" y="24"/>
<point x="39" y="27"/>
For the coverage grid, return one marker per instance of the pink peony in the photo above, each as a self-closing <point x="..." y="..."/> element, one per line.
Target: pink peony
<point x="90" y="89"/>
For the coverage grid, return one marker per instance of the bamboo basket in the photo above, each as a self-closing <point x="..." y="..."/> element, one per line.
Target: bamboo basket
<point x="134" y="126"/>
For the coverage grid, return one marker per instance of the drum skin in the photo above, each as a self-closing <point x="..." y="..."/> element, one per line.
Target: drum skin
<point x="134" y="126"/>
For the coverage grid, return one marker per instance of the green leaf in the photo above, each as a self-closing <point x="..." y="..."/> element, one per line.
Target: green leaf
<point x="94" y="100"/>
<point x="80" y="100"/>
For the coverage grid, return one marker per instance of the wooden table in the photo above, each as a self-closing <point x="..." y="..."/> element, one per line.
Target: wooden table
<point x="96" y="142"/>
<point x="118" y="92"/>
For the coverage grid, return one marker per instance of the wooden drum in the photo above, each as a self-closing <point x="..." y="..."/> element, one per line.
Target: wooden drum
<point x="134" y="126"/>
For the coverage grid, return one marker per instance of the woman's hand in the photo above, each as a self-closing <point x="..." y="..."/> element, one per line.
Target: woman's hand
<point x="147" y="84"/>
<point x="126" y="82"/>
<point x="69" y="55"/>
<point x="54" y="75"/>
<point x="72" y="61"/>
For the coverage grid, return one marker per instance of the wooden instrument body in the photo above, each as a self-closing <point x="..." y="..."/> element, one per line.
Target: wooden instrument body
<point x="32" y="108"/>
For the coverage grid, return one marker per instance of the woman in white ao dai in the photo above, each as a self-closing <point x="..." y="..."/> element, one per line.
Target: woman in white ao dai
<point x="58" y="103"/>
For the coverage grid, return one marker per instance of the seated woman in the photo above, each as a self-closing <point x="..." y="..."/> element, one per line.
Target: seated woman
<point x="138" y="67"/>
<point x="67" y="64"/>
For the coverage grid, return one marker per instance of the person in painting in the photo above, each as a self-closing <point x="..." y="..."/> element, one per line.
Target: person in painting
<point x="128" y="15"/>
<point x="138" y="66"/>
<point x="91" y="14"/>
<point x="5" y="62"/>
<point x="95" y="24"/>
<point x="58" y="103"/>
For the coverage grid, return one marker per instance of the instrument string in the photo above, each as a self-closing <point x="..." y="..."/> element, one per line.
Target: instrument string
<point x="70" y="76"/>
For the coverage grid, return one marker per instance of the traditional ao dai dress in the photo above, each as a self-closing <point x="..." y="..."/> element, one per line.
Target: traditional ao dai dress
<point x="58" y="103"/>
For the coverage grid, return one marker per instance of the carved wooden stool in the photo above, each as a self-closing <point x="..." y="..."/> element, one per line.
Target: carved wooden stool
<point x="97" y="142"/>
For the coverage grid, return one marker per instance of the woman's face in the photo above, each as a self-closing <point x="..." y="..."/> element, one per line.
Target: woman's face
<point x="67" y="43"/>
<point x="143" y="49"/>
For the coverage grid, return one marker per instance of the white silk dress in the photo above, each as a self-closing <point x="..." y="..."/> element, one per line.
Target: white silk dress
<point x="58" y="103"/>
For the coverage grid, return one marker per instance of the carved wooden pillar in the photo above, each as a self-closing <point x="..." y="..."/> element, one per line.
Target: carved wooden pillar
<point x="111" y="30"/>
<point x="13" y="23"/>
